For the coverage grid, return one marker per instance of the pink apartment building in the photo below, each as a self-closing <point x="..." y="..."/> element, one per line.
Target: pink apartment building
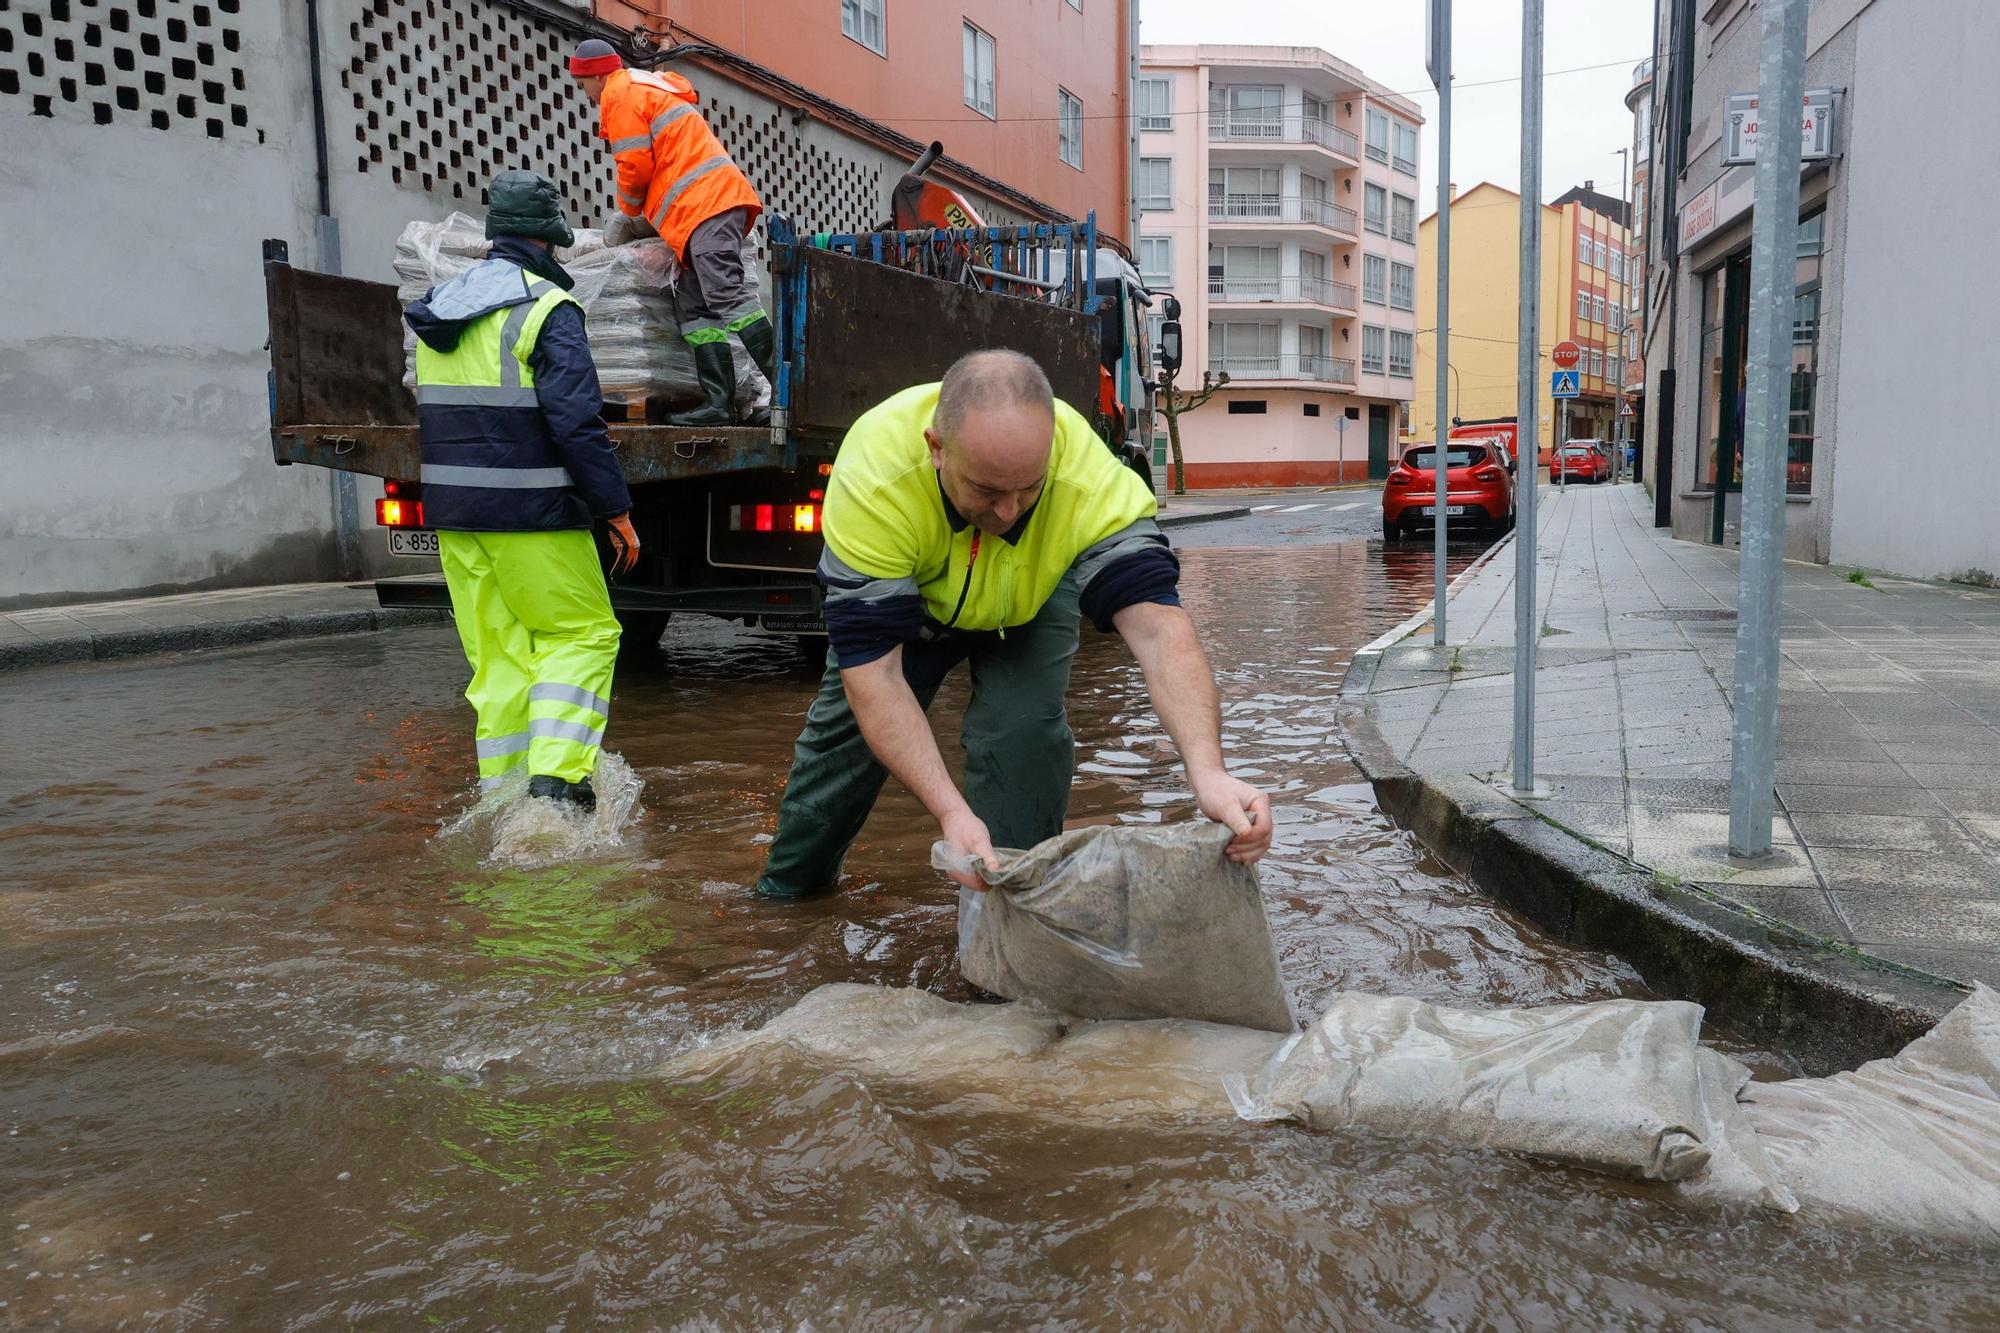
<point x="1278" y="198"/>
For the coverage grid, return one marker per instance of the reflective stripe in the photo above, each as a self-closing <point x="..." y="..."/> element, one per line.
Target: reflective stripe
<point x="669" y="116"/>
<point x="679" y="187"/>
<point x="477" y="395"/>
<point x="548" y="728"/>
<point x="696" y="337"/>
<point x="845" y="583"/>
<point x="492" y="747"/>
<point x="627" y="145"/>
<point x="569" y="694"/>
<point x="747" y="314"/>
<point x="636" y="200"/>
<point x="488" y="784"/>
<point x="496" y="478"/>
<point x="1132" y="538"/>
<point x="510" y="333"/>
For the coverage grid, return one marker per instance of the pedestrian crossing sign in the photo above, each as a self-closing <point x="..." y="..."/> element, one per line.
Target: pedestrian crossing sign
<point x="1565" y="384"/>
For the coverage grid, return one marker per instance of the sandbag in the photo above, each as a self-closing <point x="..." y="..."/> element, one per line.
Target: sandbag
<point x="1613" y="1085"/>
<point x="626" y="292"/>
<point x="1131" y="921"/>
<point x="1911" y="1142"/>
<point x="1020" y="1054"/>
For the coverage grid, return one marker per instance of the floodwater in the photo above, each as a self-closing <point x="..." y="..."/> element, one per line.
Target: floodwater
<point x="278" y="1055"/>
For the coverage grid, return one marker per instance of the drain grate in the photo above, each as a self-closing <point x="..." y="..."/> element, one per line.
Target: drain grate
<point x="1682" y="613"/>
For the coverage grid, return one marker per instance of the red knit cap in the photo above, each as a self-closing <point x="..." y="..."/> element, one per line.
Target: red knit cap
<point x="594" y="57"/>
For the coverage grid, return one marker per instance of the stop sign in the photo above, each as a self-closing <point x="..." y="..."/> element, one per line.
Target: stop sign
<point x="1566" y="355"/>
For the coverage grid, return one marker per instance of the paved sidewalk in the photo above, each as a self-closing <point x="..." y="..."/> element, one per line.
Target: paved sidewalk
<point x="1888" y="774"/>
<point x="88" y="631"/>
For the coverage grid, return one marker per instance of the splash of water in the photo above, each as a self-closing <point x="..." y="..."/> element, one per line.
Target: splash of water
<point x="527" y="834"/>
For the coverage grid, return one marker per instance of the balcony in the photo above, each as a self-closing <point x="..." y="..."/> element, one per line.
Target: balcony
<point x="1283" y="291"/>
<point x="1283" y="210"/>
<point x="1308" y="368"/>
<point x="1642" y="73"/>
<point x="1309" y="130"/>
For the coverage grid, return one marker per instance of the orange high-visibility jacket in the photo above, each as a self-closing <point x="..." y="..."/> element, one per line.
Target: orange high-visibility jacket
<point x="672" y="170"/>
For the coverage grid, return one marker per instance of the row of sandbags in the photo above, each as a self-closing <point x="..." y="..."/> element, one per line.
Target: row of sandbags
<point x="1152" y="931"/>
<point x="627" y="296"/>
<point x="1910" y="1143"/>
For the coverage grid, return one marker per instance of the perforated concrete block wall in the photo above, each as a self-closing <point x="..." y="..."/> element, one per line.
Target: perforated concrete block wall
<point x="170" y="64"/>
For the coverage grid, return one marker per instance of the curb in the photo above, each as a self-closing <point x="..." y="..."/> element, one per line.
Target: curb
<point x="1181" y="520"/>
<point x="219" y="634"/>
<point x="1825" y="1004"/>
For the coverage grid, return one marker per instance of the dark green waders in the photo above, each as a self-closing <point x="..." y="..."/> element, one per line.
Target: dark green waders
<point x="1019" y="753"/>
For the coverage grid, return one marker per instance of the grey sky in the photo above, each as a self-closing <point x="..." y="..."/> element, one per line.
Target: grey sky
<point x="1584" y="115"/>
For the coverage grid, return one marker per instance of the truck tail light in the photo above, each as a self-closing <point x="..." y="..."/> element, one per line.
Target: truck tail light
<point x="399" y="513"/>
<point x="805" y="518"/>
<point x="779" y="518"/>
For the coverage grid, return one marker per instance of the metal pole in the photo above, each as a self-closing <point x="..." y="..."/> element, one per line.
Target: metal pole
<point x="1527" y="402"/>
<point x="1340" y="470"/>
<point x="1441" y="461"/>
<point x="1774" y="234"/>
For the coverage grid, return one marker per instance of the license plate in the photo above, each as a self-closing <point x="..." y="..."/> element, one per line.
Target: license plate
<point x="793" y="624"/>
<point x="1450" y="511"/>
<point x="413" y="541"/>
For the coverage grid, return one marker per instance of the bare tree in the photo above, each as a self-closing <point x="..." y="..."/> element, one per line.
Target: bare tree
<point x="1175" y="401"/>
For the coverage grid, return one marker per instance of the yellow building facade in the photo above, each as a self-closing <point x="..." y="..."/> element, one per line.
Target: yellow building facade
<point x="1584" y="265"/>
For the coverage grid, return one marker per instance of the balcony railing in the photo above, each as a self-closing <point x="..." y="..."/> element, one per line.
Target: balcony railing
<point x="1284" y="129"/>
<point x="1283" y="209"/>
<point x="1285" y="290"/>
<point x="1310" y="367"/>
<point x="1642" y="72"/>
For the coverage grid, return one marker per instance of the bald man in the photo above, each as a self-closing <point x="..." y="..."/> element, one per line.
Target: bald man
<point x="974" y="521"/>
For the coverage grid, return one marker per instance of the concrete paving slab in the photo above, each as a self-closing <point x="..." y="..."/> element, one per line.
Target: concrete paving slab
<point x="1963" y="874"/>
<point x="1924" y="920"/>
<point x="1804" y="907"/>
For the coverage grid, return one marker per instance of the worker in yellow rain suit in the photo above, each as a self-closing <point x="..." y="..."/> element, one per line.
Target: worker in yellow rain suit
<point x="516" y="464"/>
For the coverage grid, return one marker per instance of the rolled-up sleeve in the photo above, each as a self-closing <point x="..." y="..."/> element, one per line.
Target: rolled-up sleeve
<point x="867" y="615"/>
<point x="1130" y="566"/>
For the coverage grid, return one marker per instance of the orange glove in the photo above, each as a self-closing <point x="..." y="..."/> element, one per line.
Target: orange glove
<point x="624" y="544"/>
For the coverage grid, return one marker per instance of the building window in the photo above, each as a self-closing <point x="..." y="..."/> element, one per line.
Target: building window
<point x="1402" y="354"/>
<point x="1248" y="111"/>
<point x="1597" y="309"/>
<point x="862" y="20"/>
<point x="1246" y="193"/>
<point x="1077" y="5"/>
<point x="1248" y="407"/>
<point x="1806" y="300"/>
<point x="1156" y="261"/>
<point x="1406" y="148"/>
<point x="1597" y="363"/>
<point x="1402" y="287"/>
<point x="1156" y="184"/>
<point x="979" y="72"/>
<point x="1402" y="218"/>
<point x="1246" y="351"/>
<point x="1069" y="128"/>
<point x="1374" y="345"/>
<point x="1642" y="129"/>
<point x="1375" y="215"/>
<point x="1374" y="279"/>
<point x="1582" y="307"/>
<point x="1378" y="135"/>
<point x="1156" y="104"/>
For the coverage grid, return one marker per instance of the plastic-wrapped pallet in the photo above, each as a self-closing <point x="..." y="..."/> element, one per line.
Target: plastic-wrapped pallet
<point x="627" y="296"/>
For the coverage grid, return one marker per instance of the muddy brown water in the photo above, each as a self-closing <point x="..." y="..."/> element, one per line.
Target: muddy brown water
<point x="277" y="1056"/>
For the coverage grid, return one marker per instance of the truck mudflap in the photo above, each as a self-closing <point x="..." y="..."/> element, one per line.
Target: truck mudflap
<point x="789" y="607"/>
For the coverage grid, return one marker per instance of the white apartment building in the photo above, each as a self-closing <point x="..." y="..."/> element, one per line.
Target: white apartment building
<point x="1278" y="195"/>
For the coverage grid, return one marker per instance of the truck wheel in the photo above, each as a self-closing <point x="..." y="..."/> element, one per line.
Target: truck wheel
<point x="639" y="637"/>
<point x="1142" y="465"/>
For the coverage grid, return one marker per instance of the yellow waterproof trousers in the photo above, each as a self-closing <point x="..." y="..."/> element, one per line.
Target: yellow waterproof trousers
<point x="536" y="622"/>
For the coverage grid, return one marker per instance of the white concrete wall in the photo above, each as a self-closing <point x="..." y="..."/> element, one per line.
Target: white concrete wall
<point x="1915" y="485"/>
<point x="133" y="444"/>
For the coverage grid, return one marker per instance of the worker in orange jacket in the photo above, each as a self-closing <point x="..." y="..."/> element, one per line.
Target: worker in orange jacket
<point x="676" y="179"/>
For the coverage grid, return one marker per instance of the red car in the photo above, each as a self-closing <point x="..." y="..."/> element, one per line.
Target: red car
<point x="1479" y="484"/>
<point x="1582" y="460"/>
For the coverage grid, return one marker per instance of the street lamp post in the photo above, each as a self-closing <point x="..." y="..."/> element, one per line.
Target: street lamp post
<point x="1624" y="300"/>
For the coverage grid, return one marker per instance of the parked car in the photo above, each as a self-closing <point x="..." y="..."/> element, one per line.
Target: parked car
<point x="1479" y="481"/>
<point x="1582" y="460"/>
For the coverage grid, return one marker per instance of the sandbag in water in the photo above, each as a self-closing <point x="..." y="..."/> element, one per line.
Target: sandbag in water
<point x="1614" y="1085"/>
<point x="1134" y="921"/>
